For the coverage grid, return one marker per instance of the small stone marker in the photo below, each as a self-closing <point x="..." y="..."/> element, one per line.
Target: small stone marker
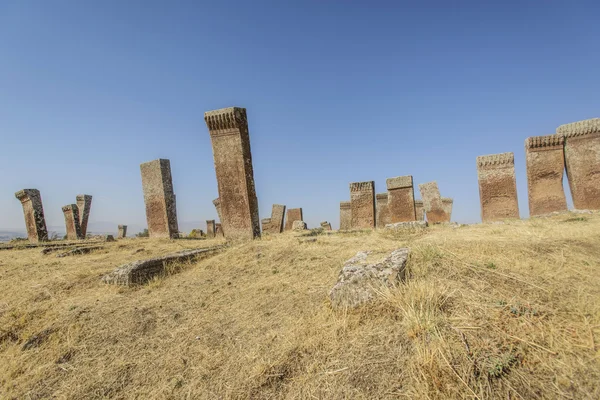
<point x="432" y="203"/>
<point x="582" y="160"/>
<point x="293" y="214"/>
<point x="84" y="205"/>
<point x="401" y="199"/>
<point x="79" y="251"/>
<point x="447" y="204"/>
<point x="211" y="228"/>
<point x="31" y="200"/>
<point x="345" y="215"/>
<point x="219" y="230"/>
<point x="299" y="226"/>
<point x="161" y="210"/>
<point x="419" y="210"/>
<point x="382" y="210"/>
<point x="362" y="203"/>
<point x="266" y="225"/>
<point x="71" y="212"/>
<point x="359" y="281"/>
<point x="122" y="232"/>
<point x="109" y="238"/>
<point x="326" y="225"/>
<point x="497" y="187"/>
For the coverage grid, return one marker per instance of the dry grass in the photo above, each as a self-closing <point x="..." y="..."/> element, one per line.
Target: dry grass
<point x="490" y="311"/>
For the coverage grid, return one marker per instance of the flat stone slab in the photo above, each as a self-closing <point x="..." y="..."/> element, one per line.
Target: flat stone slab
<point x="79" y="251"/>
<point x="299" y="226"/>
<point x="141" y="271"/>
<point x="411" y="225"/>
<point x="359" y="280"/>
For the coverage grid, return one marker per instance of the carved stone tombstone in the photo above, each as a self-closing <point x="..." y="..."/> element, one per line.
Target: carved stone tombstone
<point x="219" y="230"/>
<point x="447" y="204"/>
<point x="497" y="187"/>
<point x="71" y="212"/>
<point x="432" y="203"/>
<point x="420" y="212"/>
<point x="31" y="200"/>
<point x="345" y="215"/>
<point x="122" y="232"/>
<point x="326" y="225"/>
<point x="228" y="128"/>
<point x="545" y="169"/>
<point x="293" y="214"/>
<point x="362" y="203"/>
<point x="266" y="225"/>
<point x="401" y="199"/>
<point x="161" y="211"/>
<point x="275" y="223"/>
<point x="382" y="210"/>
<point x="217" y="204"/>
<point x="84" y="204"/>
<point x="582" y="160"/>
<point x="211" y="228"/>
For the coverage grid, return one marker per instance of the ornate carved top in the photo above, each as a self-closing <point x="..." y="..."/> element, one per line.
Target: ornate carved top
<point x="502" y="159"/>
<point x="83" y="197"/>
<point x="344" y="204"/>
<point x="69" y="207"/>
<point x="362" y="186"/>
<point x="27" y="194"/>
<point x="539" y="142"/>
<point x="399" y="182"/>
<point x="226" y="118"/>
<point x="579" y="128"/>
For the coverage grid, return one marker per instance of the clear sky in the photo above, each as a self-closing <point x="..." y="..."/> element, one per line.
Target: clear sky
<point x="336" y="91"/>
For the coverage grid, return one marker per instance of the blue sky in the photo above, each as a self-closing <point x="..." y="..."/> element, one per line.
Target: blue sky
<point x="336" y="91"/>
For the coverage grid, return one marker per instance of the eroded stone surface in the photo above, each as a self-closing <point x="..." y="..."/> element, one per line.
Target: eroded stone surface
<point x="293" y="214"/>
<point x="140" y="272"/>
<point x="217" y="204"/>
<point x="545" y="168"/>
<point x="299" y="226"/>
<point x="362" y="203"/>
<point x="228" y="128"/>
<point x="432" y="203"/>
<point x="275" y="223"/>
<point x="447" y="204"/>
<point x="497" y="187"/>
<point x="84" y="205"/>
<point x="582" y="160"/>
<point x="401" y="199"/>
<point x="211" y="228"/>
<point x="71" y="212"/>
<point x="326" y="225"/>
<point x="345" y="215"/>
<point x="382" y="210"/>
<point x="410" y="225"/>
<point x="266" y="225"/>
<point x="31" y="200"/>
<point x="79" y="251"/>
<point x="122" y="233"/>
<point x="359" y="280"/>
<point x="219" y="230"/>
<point x="419" y="210"/>
<point x="161" y="210"/>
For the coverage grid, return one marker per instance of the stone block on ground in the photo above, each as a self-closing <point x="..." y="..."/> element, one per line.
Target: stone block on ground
<point x="299" y="226"/>
<point x="293" y="214"/>
<point x="326" y="225"/>
<point x="122" y="232"/>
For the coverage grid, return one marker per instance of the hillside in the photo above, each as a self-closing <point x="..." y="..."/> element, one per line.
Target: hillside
<point x="502" y="311"/>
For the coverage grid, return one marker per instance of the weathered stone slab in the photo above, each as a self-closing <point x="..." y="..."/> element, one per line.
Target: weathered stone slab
<point x="326" y="225"/>
<point x="419" y="210"/>
<point x="497" y="187"/>
<point x="219" y="230"/>
<point x="277" y="217"/>
<point x="31" y="200"/>
<point x="382" y="210"/>
<point x="545" y="169"/>
<point x="401" y="199"/>
<point x="359" y="281"/>
<point x="84" y="205"/>
<point x="71" y="212"/>
<point x="582" y="160"/>
<point x="217" y="204"/>
<point x="299" y="226"/>
<point x="447" y="203"/>
<point x="362" y="203"/>
<point x="211" y="228"/>
<point x="79" y="251"/>
<point x="109" y="238"/>
<point x="404" y="226"/>
<point x="293" y="214"/>
<point x="345" y="215"/>
<point x="140" y="272"/>
<point x="266" y="225"/>
<point x="122" y="232"/>
<point x="228" y="128"/>
<point x="432" y="203"/>
<point x="161" y="210"/>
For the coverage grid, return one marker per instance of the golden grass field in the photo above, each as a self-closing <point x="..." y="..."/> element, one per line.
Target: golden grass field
<point x="502" y="311"/>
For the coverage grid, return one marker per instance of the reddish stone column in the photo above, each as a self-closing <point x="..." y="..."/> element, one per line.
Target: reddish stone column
<point x="382" y="210"/>
<point x="84" y="204"/>
<point x="582" y="160"/>
<point x="497" y="187"/>
<point x="211" y="228"/>
<point x="545" y="168"/>
<point x="31" y="200"/>
<point x="432" y="203"/>
<point x="401" y="199"/>
<point x="345" y="215"/>
<point x="122" y="232"/>
<point x="419" y="211"/>
<point x="71" y="212"/>
<point x="447" y="204"/>
<point x="277" y="218"/>
<point x="228" y="129"/>
<point x="293" y="214"/>
<point x="362" y="202"/>
<point x="161" y="211"/>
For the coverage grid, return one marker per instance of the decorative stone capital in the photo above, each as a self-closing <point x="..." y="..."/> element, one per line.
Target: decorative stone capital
<point x="399" y="182"/>
<point x="362" y="186"/>
<point x="579" y="128"/>
<point x="548" y="142"/>
<point x="496" y="160"/>
<point x="345" y="205"/>
<point x="226" y="118"/>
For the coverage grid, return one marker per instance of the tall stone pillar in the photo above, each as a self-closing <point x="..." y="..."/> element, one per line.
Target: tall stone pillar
<point x="582" y="159"/>
<point x="293" y="214"/>
<point x="419" y="211"/>
<point x="362" y="202"/>
<point x="71" y="212"/>
<point x="211" y="228"/>
<point x="382" y="210"/>
<point x="545" y="169"/>
<point x="432" y="203"/>
<point x="401" y="199"/>
<point x="497" y="187"/>
<point x="345" y="215"/>
<point x="161" y="210"/>
<point x="122" y="232"/>
<point x="277" y="217"/>
<point x="447" y="204"/>
<point x="84" y="204"/>
<point x="228" y="129"/>
<point x="31" y="200"/>
<point x="217" y="204"/>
